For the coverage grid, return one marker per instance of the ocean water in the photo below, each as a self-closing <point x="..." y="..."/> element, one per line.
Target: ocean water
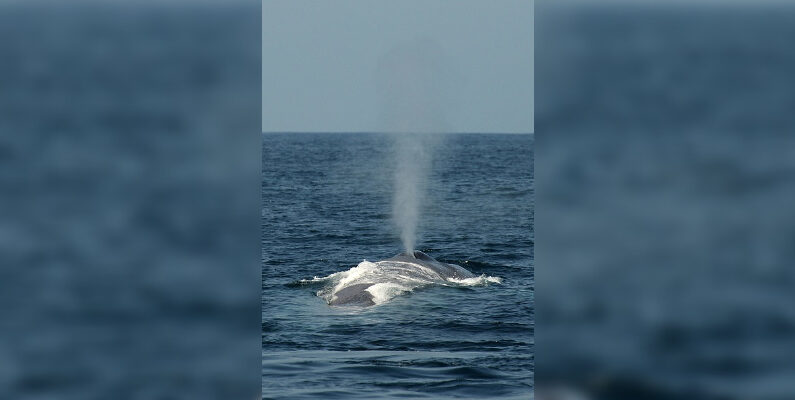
<point x="666" y="163"/>
<point x="327" y="203"/>
<point x="126" y="271"/>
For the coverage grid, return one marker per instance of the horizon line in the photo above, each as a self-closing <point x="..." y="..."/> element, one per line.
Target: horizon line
<point x="392" y="132"/>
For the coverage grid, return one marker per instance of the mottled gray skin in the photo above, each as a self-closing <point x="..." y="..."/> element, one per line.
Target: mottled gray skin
<point x="354" y="295"/>
<point x="444" y="270"/>
<point x="357" y="295"/>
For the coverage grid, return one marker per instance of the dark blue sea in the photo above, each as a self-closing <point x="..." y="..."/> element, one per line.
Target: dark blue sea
<point x="666" y="182"/>
<point x="327" y="206"/>
<point x="129" y="172"/>
<point x="665" y="191"/>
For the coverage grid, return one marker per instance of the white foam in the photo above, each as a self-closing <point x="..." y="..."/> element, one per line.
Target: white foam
<point x="342" y="279"/>
<point x="383" y="292"/>
<point x="476" y="281"/>
<point x="316" y="279"/>
<point x="364" y="269"/>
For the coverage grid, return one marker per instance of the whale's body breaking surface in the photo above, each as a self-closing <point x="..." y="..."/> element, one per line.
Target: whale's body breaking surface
<point x="353" y="295"/>
<point x="443" y="269"/>
<point x="374" y="283"/>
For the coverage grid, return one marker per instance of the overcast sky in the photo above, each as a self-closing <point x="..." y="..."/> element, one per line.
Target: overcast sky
<point x="375" y="65"/>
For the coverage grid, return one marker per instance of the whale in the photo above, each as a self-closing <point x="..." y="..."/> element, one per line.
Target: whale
<point x="413" y="269"/>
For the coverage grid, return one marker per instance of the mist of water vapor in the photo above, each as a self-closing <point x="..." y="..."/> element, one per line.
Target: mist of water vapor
<point x="413" y="158"/>
<point x="415" y="95"/>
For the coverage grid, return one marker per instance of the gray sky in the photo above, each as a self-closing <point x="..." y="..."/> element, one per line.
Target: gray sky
<point x="375" y="65"/>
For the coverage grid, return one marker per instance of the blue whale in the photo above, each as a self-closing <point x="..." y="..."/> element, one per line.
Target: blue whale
<point x="404" y="267"/>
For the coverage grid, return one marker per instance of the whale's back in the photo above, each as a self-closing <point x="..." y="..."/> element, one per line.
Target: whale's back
<point x="354" y="295"/>
<point x="370" y="283"/>
<point x="444" y="270"/>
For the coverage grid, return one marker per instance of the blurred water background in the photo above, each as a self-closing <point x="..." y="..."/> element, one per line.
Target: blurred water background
<point x="666" y="181"/>
<point x="129" y="259"/>
<point x="129" y="175"/>
<point x="327" y="205"/>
